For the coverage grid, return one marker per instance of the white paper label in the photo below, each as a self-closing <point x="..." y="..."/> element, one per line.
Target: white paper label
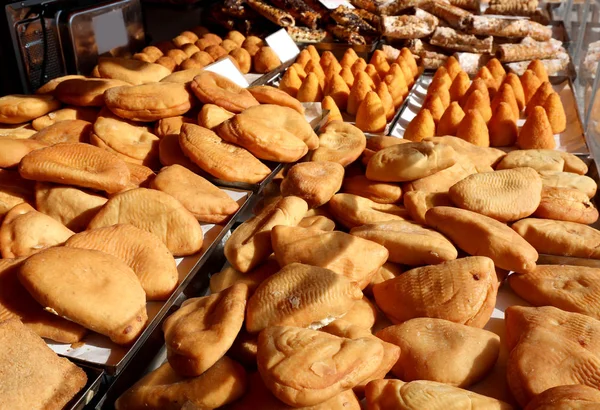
<point x="227" y="69"/>
<point x="334" y="4"/>
<point x="109" y="30"/>
<point x="283" y="45"/>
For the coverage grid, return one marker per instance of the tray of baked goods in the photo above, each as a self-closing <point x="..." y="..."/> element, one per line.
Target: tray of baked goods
<point x="495" y="108"/>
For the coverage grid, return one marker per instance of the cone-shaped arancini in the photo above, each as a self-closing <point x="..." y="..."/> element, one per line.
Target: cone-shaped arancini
<point x="379" y="61"/>
<point x="371" y="71"/>
<point x="397" y="85"/>
<point x="450" y="121"/>
<point x="490" y="81"/>
<point x="408" y="76"/>
<point x="358" y="66"/>
<point x="358" y="92"/>
<point x="327" y="58"/>
<point x="303" y="58"/>
<point x="435" y="107"/>
<point x="386" y="99"/>
<point x="407" y="56"/>
<point x="452" y="67"/>
<point x="347" y="75"/>
<point x="539" y="69"/>
<point x="530" y="83"/>
<point x="515" y="83"/>
<point x="536" y="133"/>
<point x="477" y="101"/>
<point x="443" y="94"/>
<point x="507" y="95"/>
<point x="473" y="129"/>
<point x="459" y="87"/>
<point x="311" y="90"/>
<point x="497" y="71"/>
<point x="314" y="67"/>
<point x="502" y="127"/>
<point x="291" y="83"/>
<point x="339" y="91"/>
<point x="422" y="126"/>
<point x="363" y="76"/>
<point x="399" y="75"/>
<point x="300" y="70"/>
<point x="349" y="58"/>
<point x="330" y="71"/>
<point x="555" y="113"/>
<point x="314" y="54"/>
<point x="540" y="96"/>
<point x="334" y="112"/>
<point x="441" y="77"/>
<point x="371" y="114"/>
<point x="477" y="84"/>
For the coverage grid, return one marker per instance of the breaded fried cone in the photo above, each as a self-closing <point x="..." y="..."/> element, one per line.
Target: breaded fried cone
<point x="435" y="106"/>
<point x="386" y="100"/>
<point x="291" y="82"/>
<point x="474" y="129"/>
<point x="410" y="60"/>
<point x="422" y="126"/>
<point x="379" y="61"/>
<point x="444" y="95"/>
<point x="203" y="329"/>
<point x="540" y="96"/>
<point x="536" y="133"/>
<point x="530" y="83"/>
<point x="338" y="90"/>
<point x="440" y="79"/>
<point x="349" y="58"/>
<point x="303" y="58"/>
<point x="358" y="93"/>
<point x="410" y="80"/>
<point x="314" y="54"/>
<point x="330" y="71"/>
<point x="371" y="115"/>
<point x="358" y="67"/>
<point x="477" y="85"/>
<point x="347" y="76"/>
<point x="490" y="81"/>
<point x="448" y="124"/>
<point x="460" y="86"/>
<point x="555" y="113"/>
<point x="502" y="127"/>
<point x="539" y="69"/>
<point x="327" y="58"/>
<point x="397" y="87"/>
<point x="506" y="94"/>
<point x="371" y="71"/>
<point x="363" y="76"/>
<point x="316" y="69"/>
<point x="453" y="67"/>
<point x="328" y="103"/>
<point x="310" y="90"/>
<point x="477" y="101"/>
<point x="496" y="70"/>
<point x="515" y="83"/>
<point x="299" y="70"/>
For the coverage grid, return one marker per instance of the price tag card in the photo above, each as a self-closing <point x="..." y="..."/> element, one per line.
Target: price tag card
<point x="334" y="4"/>
<point x="283" y="45"/>
<point x="227" y="69"/>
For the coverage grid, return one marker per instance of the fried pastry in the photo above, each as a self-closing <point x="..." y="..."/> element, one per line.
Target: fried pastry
<point x="506" y="95"/>
<point x="560" y="237"/>
<point x="380" y="192"/>
<point x="171" y="125"/>
<point x="177" y="228"/>
<point x="362" y="314"/>
<point x="164" y="389"/>
<point x="51" y="85"/>
<point x="14" y="190"/>
<point x="317" y="222"/>
<point x="442" y="181"/>
<point x="543" y="92"/>
<point x="502" y="126"/>
<point x="19" y="131"/>
<point x="12" y="150"/>
<point x="566" y="204"/>
<point x="130" y="70"/>
<point x="85" y="92"/>
<point x="538" y="159"/>
<point x="408" y="162"/>
<point x="26" y="231"/>
<point x="142" y="251"/>
<point x="229" y="276"/>
<point x="448" y="124"/>
<point x="421" y="394"/>
<point x="555" y="113"/>
<point x="386" y="272"/>
<point x="265" y="60"/>
<point x="64" y="131"/>
<point x="481" y="157"/>
<point x="310" y="90"/>
<point x="203" y="330"/>
<point x="352" y="210"/>
<point x="408" y="243"/>
<point x="315" y="182"/>
<point x="183" y="76"/>
<point x="371" y="114"/>
<point x="149" y="102"/>
<point x="473" y="129"/>
<point x="291" y="82"/>
<point x="211" y="88"/>
<point x="17" y="303"/>
<point x="530" y="83"/>
<point x="351" y="256"/>
<point x="417" y="203"/>
<point x="33" y="376"/>
<point x="312" y="354"/>
<point x="575" y="396"/>
<point x="426" y="344"/>
<point x="204" y="200"/>
<point x="461" y="291"/>
<point x="110" y="299"/>
<point x="128" y="141"/>
<point x="139" y="175"/>
<point x="270" y="132"/>
<point x="300" y="295"/>
<point x="219" y="158"/>
<point x="67" y="113"/>
<point x="250" y="243"/>
<point x="361" y="87"/>
<point x="265" y="94"/>
<point x="569" y="180"/>
<point x="17" y="109"/>
<point x="487" y="237"/>
<point x="420" y="127"/>
<point x="505" y="195"/>
<point x="459" y="87"/>
<point x="243" y="59"/>
<point x="340" y="142"/>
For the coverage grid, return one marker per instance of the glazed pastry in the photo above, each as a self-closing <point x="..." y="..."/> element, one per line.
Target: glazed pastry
<point x="407" y="27"/>
<point x="520" y="28"/>
<point x="346" y="34"/>
<point x="273" y="14"/>
<point x="349" y="18"/>
<point x="300" y="11"/>
<point x="306" y="35"/>
<point x="449" y="38"/>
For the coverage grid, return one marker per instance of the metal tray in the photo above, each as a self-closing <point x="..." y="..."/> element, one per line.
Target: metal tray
<point x="99" y="352"/>
<point x="265" y="78"/>
<point x="572" y="140"/>
<point x="83" y="398"/>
